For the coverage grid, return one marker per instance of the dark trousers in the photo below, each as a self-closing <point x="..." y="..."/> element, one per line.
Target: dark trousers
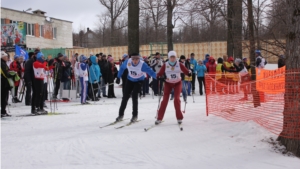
<point x="193" y="81"/>
<point x="28" y="93"/>
<point x="57" y="86"/>
<point x="111" y="91"/>
<point x="133" y="89"/>
<point x="146" y="86"/>
<point x="124" y="79"/>
<point x="33" y="96"/>
<point x="201" y="81"/>
<point x="4" y="98"/>
<point x="45" y="92"/>
<point x="16" y="91"/>
<point x="93" y="90"/>
<point x="39" y="93"/>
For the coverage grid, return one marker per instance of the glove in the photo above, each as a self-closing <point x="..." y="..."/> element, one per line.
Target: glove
<point x="118" y="81"/>
<point x="161" y="79"/>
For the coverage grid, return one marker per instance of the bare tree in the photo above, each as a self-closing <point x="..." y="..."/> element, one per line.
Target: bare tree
<point x="235" y="26"/>
<point x="157" y="11"/>
<point x="290" y="136"/>
<point x="133" y="26"/>
<point x="115" y="9"/>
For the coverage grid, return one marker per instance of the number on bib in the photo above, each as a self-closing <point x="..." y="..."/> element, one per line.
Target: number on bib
<point x="133" y="73"/>
<point x="173" y="76"/>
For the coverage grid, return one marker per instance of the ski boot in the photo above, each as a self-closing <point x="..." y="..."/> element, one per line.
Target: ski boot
<point x="120" y="118"/>
<point x="179" y="121"/>
<point x="157" y="122"/>
<point x="133" y="119"/>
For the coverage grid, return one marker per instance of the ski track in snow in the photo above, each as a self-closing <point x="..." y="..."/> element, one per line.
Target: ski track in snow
<point x="75" y="141"/>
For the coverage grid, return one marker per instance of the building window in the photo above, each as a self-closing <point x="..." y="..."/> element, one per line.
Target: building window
<point x="41" y="30"/>
<point x="13" y="21"/>
<point x="30" y="29"/>
<point x="54" y="32"/>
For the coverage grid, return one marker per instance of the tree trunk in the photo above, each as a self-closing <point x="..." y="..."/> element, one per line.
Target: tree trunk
<point x="290" y="135"/>
<point x="133" y="26"/>
<point x="170" y="25"/>
<point x="230" y="45"/>
<point x="256" y="99"/>
<point x="235" y="28"/>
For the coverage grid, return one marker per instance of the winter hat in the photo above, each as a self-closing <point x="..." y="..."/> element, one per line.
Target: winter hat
<point x="83" y="58"/>
<point x="282" y="57"/>
<point x="182" y="57"/>
<point x="220" y="60"/>
<point x="230" y="59"/>
<point x="257" y="52"/>
<point x="91" y="53"/>
<point x="124" y="56"/>
<point x="3" y="54"/>
<point x="39" y="57"/>
<point x="207" y="55"/>
<point x="172" y="53"/>
<point x="110" y="59"/>
<point x="16" y="56"/>
<point x="59" y="55"/>
<point x="245" y="59"/>
<point x="238" y="60"/>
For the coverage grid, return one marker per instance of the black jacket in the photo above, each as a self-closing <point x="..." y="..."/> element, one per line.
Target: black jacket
<point x="281" y="63"/>
<point x="111" y="75"/>
<point x="104" y="66"/>
<point x="188" y="66"/>
<point x="238" y="68"/>
<point x="66" y="72"/>
<point x="4" y="75"/>
<point x="29" y="73"/>
<point x="58" y="69"/>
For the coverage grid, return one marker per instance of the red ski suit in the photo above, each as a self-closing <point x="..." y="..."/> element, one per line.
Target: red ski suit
<point x="167" y="90"/>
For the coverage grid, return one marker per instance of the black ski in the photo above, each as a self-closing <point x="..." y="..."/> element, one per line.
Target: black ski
<point x="113" y="123"/>
<point x="151" y="127"/>
<point x="128" y="124"/>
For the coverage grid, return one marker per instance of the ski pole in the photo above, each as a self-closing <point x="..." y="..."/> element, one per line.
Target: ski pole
<point x="192" y="93"/>
<point x="185" y="97"/>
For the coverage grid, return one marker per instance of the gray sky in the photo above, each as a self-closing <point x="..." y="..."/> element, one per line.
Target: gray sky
<point x="80" y="12"/>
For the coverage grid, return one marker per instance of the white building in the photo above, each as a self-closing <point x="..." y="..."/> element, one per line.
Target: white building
<point x="34" y="30"/>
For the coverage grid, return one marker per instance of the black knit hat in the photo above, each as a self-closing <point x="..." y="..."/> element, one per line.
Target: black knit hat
<point x="182" y="57"/>
<point x="60" y="55"/>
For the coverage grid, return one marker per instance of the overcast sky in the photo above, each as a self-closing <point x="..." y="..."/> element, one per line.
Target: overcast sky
<point x="80" y="12"/>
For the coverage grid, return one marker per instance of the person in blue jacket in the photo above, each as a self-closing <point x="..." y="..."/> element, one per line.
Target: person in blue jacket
<point x="136" y="68"/>
<point x="201" y="69"/>
<point x="94" y="77"/>
<point x="84" y="78"/>
<point x="206" y="59"/>
<point x="193" y="64"/>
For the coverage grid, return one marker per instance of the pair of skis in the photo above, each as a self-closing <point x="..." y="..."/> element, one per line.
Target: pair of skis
<point x="125" y="125"/>
<point x="130" y="123"/>
<point x="151" y="127"/>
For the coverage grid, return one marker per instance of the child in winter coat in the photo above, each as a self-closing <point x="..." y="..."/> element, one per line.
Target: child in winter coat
<point x="84" y="78"/>
<point x="201" y="69"/>
<point x="16" y="66"/>
<point x="172" y="69"/>
<point x="94" y="77"/>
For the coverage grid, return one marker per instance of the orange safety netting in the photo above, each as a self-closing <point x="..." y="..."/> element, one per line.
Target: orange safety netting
<point x="274" y="104"/>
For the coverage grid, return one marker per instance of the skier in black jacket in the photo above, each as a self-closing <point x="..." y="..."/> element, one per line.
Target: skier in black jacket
<point x="104" y="70"/>
<point x="28" y="77"/>
<point x="58" y="72"/>
<point x="5" y="87"/>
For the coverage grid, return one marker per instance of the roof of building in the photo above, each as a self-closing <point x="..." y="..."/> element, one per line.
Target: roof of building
<point x="38" y="10"/>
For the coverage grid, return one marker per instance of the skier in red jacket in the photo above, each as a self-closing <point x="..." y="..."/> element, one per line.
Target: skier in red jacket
<point x="39" y="68"/>
<point x="172" y="70"/>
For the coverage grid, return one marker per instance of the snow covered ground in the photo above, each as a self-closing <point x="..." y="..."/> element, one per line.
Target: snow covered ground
<point x="75" y="141"/>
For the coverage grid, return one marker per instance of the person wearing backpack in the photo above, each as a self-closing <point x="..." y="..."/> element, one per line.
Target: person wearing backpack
<point x="260" y="61"/>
